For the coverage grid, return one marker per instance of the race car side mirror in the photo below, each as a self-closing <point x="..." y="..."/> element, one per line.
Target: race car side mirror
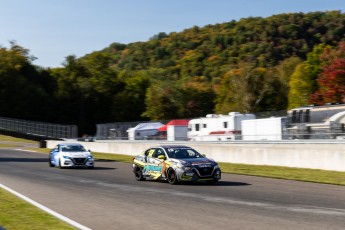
<point x="161" y="157"/>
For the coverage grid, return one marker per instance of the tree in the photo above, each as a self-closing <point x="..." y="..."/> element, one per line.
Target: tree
<point x="248" y="89"/>
<point x="284" y="70"/>
<point x="331" y="81"/>
<point x="22" y="94"/>
<point x="300" y="87"/>
<point x="303" y="80"/>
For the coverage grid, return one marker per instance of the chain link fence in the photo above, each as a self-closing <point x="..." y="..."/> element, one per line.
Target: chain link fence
<point x="318" y="122"/>
<point x="114" y="131"/>
<point x="35" y="128"/>
<point x="313" y="124"/>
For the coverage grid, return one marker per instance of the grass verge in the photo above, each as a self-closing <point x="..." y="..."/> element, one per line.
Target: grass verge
<point x="7" y="146"/>
<point x="18" y="214"/>
<point x="15" y="139"/>
<point x="287" y="173"/>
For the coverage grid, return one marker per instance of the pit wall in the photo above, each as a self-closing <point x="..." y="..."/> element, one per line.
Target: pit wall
<point x="325" y="156"/>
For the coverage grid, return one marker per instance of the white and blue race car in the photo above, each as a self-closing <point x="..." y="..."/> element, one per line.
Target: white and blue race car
<point x="70" y="155"/>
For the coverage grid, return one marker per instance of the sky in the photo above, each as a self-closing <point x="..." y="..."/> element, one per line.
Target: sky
<point x="55" y="29"/>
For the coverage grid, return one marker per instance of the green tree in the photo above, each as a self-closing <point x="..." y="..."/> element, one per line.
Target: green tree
<point x="300" y="87"/>
<point x="21" y="93"/>
<point x="248" y="89"/>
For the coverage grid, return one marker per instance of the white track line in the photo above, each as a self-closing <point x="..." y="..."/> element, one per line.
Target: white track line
<point x="57" y="215"/>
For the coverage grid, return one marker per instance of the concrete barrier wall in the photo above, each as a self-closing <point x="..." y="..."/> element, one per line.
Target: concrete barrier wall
<point x="326" y="156"/>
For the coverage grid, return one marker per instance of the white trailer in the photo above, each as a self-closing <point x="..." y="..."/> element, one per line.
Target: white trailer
<point x="177" y="133"/>
<point x="274" y="128"/>
<point x="215" y="127"/>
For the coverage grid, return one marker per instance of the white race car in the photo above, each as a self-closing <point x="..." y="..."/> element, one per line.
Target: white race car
<point x="70" y="155"/>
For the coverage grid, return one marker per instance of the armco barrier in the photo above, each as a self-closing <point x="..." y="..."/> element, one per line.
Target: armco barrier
<point x="325" y="156"/>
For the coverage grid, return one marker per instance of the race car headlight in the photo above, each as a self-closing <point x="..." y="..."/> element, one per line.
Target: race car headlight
<point x="187" y="168"/>
<point x="90" y="158"/>
<point x="179" y="165"/>
<point x="216" y="166"/>
<point x="183" y="167"/>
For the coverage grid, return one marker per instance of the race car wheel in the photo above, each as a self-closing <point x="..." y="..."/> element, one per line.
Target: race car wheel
<point x="60" y="164"/>
<point x="172" y="178"/>
<point x="50" y="162"/>
<point x="138" y="173"/>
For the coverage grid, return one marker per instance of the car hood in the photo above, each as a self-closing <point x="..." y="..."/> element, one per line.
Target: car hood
<point x="76" y="154"/>
<point x="195" y="161"/>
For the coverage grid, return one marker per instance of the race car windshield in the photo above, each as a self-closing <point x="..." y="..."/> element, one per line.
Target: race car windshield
<point x="73" y="148"/>
<point x="183" y="153"/>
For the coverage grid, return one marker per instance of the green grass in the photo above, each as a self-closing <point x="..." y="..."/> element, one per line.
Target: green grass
<point x="18" y="214"/>
<point x="7" y="146"/>
<point x="15" y="139"/>
<point x="287" y="173"/>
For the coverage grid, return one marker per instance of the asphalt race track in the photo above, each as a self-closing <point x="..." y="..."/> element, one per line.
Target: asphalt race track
<point x="108" y="197"/>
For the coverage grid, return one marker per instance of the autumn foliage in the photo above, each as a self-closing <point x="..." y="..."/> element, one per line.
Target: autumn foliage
<point x="331" y="82"/>
<point x="251" y="65"/>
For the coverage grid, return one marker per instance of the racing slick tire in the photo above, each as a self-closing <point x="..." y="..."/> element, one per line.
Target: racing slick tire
<point x="60" y="164"/>
<point x="171" y="176"/>
<point x="138" y="174"/>
<point x="50" y="163"/>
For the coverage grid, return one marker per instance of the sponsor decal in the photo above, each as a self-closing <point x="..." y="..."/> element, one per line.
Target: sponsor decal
<point x="153" y="168"/>
<point x="202" y="164"/>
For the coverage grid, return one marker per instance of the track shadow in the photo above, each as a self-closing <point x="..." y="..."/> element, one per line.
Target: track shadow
<point x="102" y="160"/>
<point x="203" y="183"/>
<point x="218" y="184"/>
<point x="14" y="159"/>
<point x="83" y="168"/>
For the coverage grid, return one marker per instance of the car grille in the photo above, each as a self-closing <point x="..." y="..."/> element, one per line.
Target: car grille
<point x="79" y="161"/>
<point x="205" y="171"/>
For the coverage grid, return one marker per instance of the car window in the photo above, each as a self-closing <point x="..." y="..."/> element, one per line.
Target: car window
<point x="183" y="153"/>
<point x="150" y="152"/>
<point x="157" y="153"/>
<point x="72" y="148"/>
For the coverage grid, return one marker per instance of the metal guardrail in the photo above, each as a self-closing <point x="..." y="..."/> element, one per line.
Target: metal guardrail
<point x="38" y="128"/>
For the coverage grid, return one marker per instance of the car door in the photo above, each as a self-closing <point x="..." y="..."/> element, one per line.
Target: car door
<point x="154" y="166"/>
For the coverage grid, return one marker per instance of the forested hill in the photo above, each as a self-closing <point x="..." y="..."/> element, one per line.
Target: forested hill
<point x="265" y="41"/>
<point x="250" y="65"/>
<point x="189" y="70"/>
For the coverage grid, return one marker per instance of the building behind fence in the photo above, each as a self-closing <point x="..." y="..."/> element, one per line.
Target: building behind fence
<point x="309" y="122"/>
<point x="34" y="128"/>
